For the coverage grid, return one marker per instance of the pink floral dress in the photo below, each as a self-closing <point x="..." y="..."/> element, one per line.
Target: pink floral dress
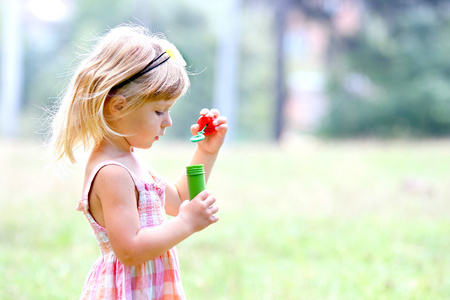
<point x="109" y="279"/>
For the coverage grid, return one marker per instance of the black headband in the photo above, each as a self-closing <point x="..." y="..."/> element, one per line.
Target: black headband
<point x="145" y="70"/>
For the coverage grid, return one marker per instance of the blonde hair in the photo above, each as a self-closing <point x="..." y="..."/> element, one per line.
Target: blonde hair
<point x="120" y="54"/>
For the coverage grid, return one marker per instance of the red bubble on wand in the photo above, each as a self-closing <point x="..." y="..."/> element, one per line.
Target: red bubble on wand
<point x="205" y="122"/>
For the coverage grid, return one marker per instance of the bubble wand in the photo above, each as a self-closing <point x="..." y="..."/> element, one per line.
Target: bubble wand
<point x="200" y="135"/>
<point x="206" y="123"/>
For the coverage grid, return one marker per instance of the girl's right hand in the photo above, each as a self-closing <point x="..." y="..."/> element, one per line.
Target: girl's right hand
<point x="199" y="213"/>
<point x="212" y="143"/>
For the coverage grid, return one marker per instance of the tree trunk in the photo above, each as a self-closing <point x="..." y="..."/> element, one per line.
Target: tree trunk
<point x="281" y="7"/>
<point x="226" y="75"/>
<point x="11" y="68"/>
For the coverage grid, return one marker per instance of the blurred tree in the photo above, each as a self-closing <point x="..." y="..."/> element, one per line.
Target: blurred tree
<point x="11" y="68"/>
<point x="320" y="11"/>
<point x="391" y="79"/>
<point x="281" y="9"/>
<point x="227" y="63"/>
<point x="257" y="73"/>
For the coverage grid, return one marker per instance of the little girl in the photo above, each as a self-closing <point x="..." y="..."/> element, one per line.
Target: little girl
<point x="120" y="99"/>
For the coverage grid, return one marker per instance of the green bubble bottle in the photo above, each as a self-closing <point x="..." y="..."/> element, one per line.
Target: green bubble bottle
<point x="196" y="180"/>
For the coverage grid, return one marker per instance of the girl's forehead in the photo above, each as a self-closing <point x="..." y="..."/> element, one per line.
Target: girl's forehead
<point x="162" y="103"/>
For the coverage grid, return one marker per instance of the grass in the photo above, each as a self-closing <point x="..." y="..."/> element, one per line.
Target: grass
<point x="316" y="220"/>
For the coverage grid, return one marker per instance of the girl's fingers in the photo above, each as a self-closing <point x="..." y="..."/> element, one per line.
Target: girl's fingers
<point x="204" y="195"/>
<point x="210" y="200"/>
<point x="223" y="128"/>
<point x="214" y="112"/>
<point x="220" y="120"/>
<point x="214" y="209"/>
<point x="195" y="129"/>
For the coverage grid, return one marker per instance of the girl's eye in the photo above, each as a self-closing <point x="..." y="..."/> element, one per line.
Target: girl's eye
<point x="159" y="113"/>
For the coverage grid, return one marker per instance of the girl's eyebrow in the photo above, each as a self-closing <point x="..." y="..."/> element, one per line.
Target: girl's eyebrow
<point x="163" y="106"/>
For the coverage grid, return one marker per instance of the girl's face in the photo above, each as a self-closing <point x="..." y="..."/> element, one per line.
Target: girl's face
<point x="146" y="124"/>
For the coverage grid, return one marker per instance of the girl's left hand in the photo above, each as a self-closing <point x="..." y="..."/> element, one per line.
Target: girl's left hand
<point x="213" y="142"/>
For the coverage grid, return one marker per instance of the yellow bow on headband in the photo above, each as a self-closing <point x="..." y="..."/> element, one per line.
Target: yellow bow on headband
<point x="171" y="54"/>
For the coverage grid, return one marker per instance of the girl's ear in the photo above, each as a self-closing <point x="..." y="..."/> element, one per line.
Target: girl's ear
<point x="115" y="105"/>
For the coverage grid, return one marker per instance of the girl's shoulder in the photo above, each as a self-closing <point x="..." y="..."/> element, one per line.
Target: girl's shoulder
<point x="109" y="170"/>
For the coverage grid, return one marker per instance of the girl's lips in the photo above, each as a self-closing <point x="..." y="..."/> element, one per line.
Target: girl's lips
<point x="157" y="138"/>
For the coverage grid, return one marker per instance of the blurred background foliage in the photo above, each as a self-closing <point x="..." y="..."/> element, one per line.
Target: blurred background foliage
<point x="388" y="78"/>
<point x="391" y="79"/>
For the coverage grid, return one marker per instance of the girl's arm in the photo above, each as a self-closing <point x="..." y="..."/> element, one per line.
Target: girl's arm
<point x="115" y="189"/>
<point x="206" y="154"/>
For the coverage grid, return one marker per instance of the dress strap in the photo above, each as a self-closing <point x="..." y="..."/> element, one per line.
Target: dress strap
<point x="97" y="168"/>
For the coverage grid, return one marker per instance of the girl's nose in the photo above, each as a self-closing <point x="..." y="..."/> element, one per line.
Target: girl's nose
<point x="167" y="122"/>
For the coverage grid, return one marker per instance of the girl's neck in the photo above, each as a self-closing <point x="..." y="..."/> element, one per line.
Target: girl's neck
<point x="115" y="149"/>
<point x="109" y="151"/>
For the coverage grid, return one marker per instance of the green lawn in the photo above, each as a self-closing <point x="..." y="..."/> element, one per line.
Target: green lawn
<point x="316" y="220"/>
